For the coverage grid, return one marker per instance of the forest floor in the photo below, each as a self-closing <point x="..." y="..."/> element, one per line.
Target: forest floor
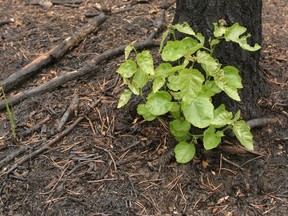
<point x="112" y="162"/>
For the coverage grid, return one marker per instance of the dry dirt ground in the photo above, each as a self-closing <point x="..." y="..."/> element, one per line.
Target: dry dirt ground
<point x="113" y="163"/>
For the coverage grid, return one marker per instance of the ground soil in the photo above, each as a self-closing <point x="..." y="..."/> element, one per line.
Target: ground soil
<point x="113" y="163"/>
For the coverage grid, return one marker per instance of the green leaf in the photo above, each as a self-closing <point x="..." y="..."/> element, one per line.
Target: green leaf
<point x="175" y="111"/>
<point x="243" y="134"/>
<point x="133" y="88"/>
<point x="179" y="128"/>
<point x="127" y="69"/>
<point x="219" y="29"/>
<point x="124" y="98"/>
<point x="191" y="45"/>
<point x="162" y="70"/>
<point x="184" y="152"/>
<point x="173" y="50"/>
<point x="234" y="33"/>
<point x="145" y="62"/>
<point x="237" y="115"/>
<point x="128" y="49"/>
<point x="140" y="79"/>
<point x="212" y="138"/>
<point x="229" y="80"/>
<point x="200" y="112"/>
<point x="142" y="110"/>
<point x="184" y="28"/>
<point x="164" y="36"/>
<point x="208" y="63"/>
<point x="159" y="103"/>
<point x="158" y="83"/>
<point x="221" y="117"/>
<point x="188" y="81"/>
<point x="210" y="88"/>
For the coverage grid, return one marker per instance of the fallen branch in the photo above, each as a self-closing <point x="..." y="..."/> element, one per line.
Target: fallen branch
<point x="52" y="55"/>
<point x="58" y="81"/>
<point x="44" y="147"/>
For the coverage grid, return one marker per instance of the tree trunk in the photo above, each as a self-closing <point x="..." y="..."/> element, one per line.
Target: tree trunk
<point x="200" y="14"/>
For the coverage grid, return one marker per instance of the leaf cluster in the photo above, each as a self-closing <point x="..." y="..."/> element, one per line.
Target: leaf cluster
<point x="184" y="84"/>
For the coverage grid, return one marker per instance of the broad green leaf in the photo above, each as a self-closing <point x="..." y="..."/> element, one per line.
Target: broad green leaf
<point x="237" y="115"/>
<point x="200" y="112"/>
<point x="141" y="110"/>
<point x="232" y="76"/>
<point x="162" y="70"/>
<point x="124" y="98"/>
<point x="221" y="117"/>
<point x="164" y="36"/>
<point x="200" y="37"/>
<point x="219" y="30"/>
<point x="234" y="33"/>
<point x="208" y="63"/>
<point x="128" y="49"/>
<point x="229" y="80"/>
<point x="243" y="134"/>
<point x="172" y="70"/>
<point x="158" y="83"/>
<point x="184" y="152"/>
<point x="183" y="138"/>
<point x="210" y="88"/>
<point x="140" y="79"/>
<point x="127" y="69"/>
<point x="175" y="111"/>
<point x="159" y="103"/>
<point x="133" y="88"/>
<point x="191" y="45"/>
<point x="188" y="81"/>
<point x="173" y="50"/>
<point x="214" y="42"/>
<point x="145" y="62"/>
<point x="184" y="28"/>
<point x="212" y="138"/>
<point x="179" y="128"/>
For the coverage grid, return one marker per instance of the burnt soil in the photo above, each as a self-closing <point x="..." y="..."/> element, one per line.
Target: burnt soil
<point x="112" y="162"/>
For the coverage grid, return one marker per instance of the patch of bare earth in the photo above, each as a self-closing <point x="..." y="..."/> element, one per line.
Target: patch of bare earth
<point x="113" y="163"/>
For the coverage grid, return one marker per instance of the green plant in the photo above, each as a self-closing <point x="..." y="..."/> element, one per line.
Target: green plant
<point x="186" y="92"/>
<point x="10" y="114"/>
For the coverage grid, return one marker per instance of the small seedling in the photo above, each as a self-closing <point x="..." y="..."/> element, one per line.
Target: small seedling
<point x="184" y="84"/>
<point x="10" y="114"/>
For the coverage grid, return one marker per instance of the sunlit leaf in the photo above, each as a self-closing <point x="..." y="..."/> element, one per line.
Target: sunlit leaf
<point x="158" y="83"/>
<point x="184" y="28"/>
<point x="234" y="33"/>
<point x="184" y="152"/>
<point x="140" y="79"/>
<point x="142" y="110"/>
<point x="212" y="138"/>
<point x="173" y="51"/>
<point x="192" y="45"/>
<point x="159" y="103"/>
<point x="175" y="111"/>
<point x="127" y="69"/>
<point x="164" y="36"/>
<point x="145" y="62"/>
<point x="199" y="112"/>
<point x="124" y="98"/>
<point x="128" y="49"/>
<point x="188" y="81"/>
<point x="208" y="63"/>
<point x="163" y="69"/>
<point x="243" y="134"/>
<point x="221" y="116"/>
<point x="179" y="128"/>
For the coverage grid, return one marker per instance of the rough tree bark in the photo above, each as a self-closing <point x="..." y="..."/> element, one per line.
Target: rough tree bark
<point x="200" y="14"/>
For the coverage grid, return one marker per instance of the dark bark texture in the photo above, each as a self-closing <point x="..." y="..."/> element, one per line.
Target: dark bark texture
<point x="200" y="14"/>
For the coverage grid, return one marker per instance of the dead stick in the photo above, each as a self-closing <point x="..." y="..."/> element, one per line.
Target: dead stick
<point x="44" y="147"/>
<point x="54" y="54"/>
<point x="56" y="82"/>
